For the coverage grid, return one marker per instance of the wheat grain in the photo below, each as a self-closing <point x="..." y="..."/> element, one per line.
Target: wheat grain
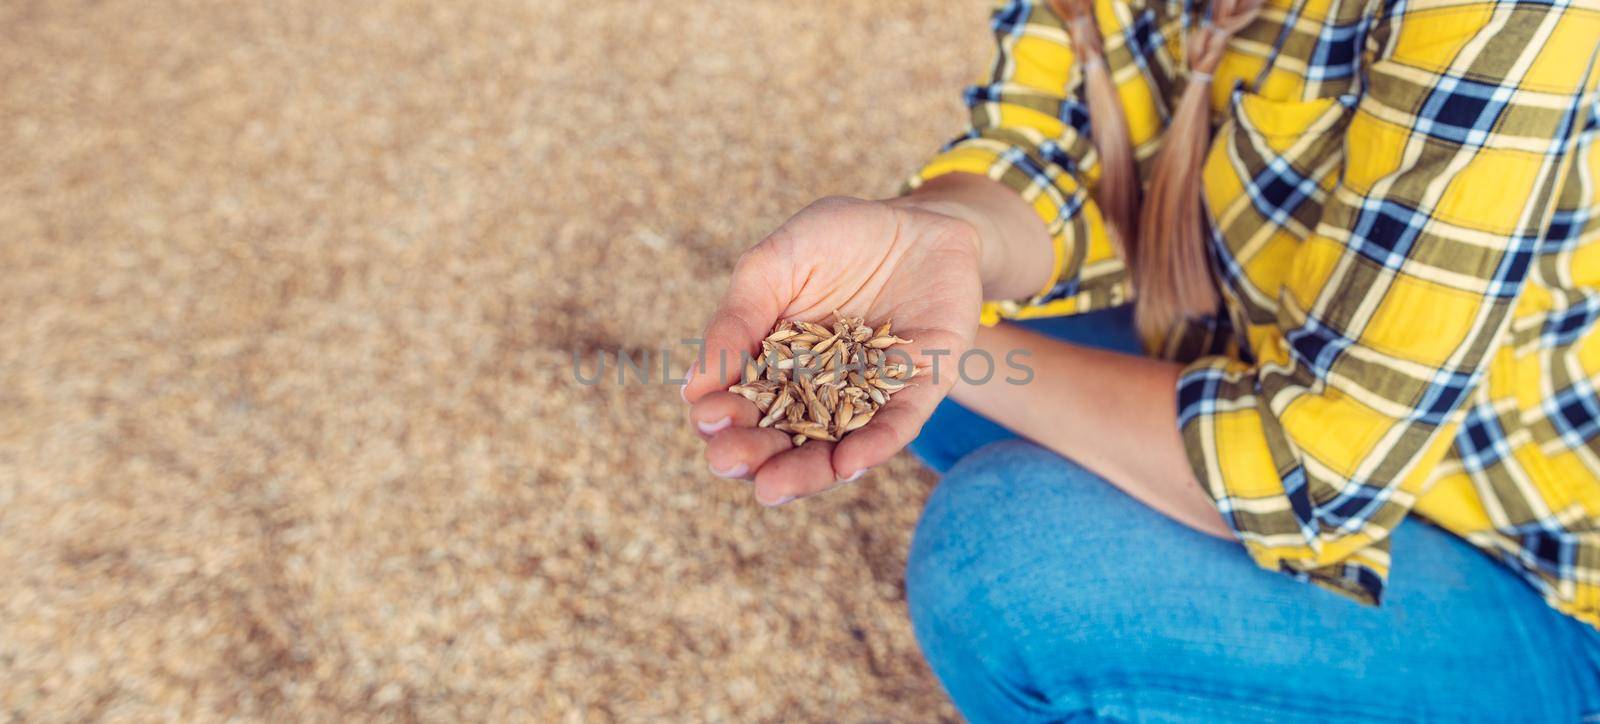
<point x="818" y="382"/>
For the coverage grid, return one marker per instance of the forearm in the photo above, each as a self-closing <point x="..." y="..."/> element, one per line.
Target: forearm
<point x="1113" y="413"/>
<point x="1017" y="255"/>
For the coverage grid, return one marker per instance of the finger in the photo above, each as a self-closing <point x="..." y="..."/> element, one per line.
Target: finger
<point x="718" y="411"/>
<point x="805" y="470"/>
<point x="897" y="423"/>
<point x="756" y="296"/>
<point x="740" y="452"/>
<point x="892" y="428"/>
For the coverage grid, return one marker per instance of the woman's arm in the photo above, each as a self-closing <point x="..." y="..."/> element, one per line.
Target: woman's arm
<point x="1002" y="213"/>
<point x="1112" y="413"/>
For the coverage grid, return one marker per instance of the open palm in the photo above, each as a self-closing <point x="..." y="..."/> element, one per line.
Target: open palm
<point x="862" y="258"/>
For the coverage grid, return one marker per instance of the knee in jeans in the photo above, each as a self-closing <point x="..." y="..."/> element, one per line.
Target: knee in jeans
<point x="981" y="536"/>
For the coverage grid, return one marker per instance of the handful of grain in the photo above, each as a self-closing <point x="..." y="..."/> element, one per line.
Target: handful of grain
<point x="819" y="383"/>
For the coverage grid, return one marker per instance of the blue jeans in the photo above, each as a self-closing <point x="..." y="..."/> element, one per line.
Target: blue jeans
<point x="1039" y="592"/>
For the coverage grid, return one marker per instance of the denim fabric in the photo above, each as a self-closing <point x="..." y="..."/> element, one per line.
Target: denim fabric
<point x="1039" y="592"/>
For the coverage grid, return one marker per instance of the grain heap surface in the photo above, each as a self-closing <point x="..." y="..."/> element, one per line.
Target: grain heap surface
<point x="289" y="297"/>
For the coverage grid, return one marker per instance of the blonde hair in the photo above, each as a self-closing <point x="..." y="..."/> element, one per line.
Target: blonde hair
<point x="1163" y="241"/>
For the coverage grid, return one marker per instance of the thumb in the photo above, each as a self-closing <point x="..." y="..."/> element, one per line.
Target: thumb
<point x="757" y="294"/>
<point x="897" y="423"/>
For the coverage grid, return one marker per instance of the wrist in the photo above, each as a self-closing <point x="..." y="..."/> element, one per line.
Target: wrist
<point x="1015" y="253"/>
<point x="969" y="219"/>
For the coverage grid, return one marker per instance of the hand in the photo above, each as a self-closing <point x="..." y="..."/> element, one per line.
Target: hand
<point x="879" y="260"/>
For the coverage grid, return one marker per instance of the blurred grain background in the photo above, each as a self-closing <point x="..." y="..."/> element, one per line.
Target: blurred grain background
<point x="288" y="294"/>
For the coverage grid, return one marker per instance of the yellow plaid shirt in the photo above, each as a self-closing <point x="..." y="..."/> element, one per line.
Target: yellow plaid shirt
<point x="1405" y="204"/>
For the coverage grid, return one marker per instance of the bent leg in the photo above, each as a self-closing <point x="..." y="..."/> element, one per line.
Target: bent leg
<point x="1039" y="592"/>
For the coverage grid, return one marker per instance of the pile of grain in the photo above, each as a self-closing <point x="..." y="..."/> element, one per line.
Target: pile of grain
<point x="819" y="383"/>
<point x="289" y="294"/>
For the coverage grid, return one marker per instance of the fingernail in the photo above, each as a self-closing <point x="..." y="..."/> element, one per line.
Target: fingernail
<point x="683" y="392"/>
<point x="712" y="428"/>
<point x="776" y="503"/>
<point x="854" y="476"/>
<point x="737" y="471"/>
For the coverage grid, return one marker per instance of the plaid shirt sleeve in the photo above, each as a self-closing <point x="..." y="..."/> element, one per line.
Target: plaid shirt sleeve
<point x="1030" y="134"/>
<point x="1317" y="449"/>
